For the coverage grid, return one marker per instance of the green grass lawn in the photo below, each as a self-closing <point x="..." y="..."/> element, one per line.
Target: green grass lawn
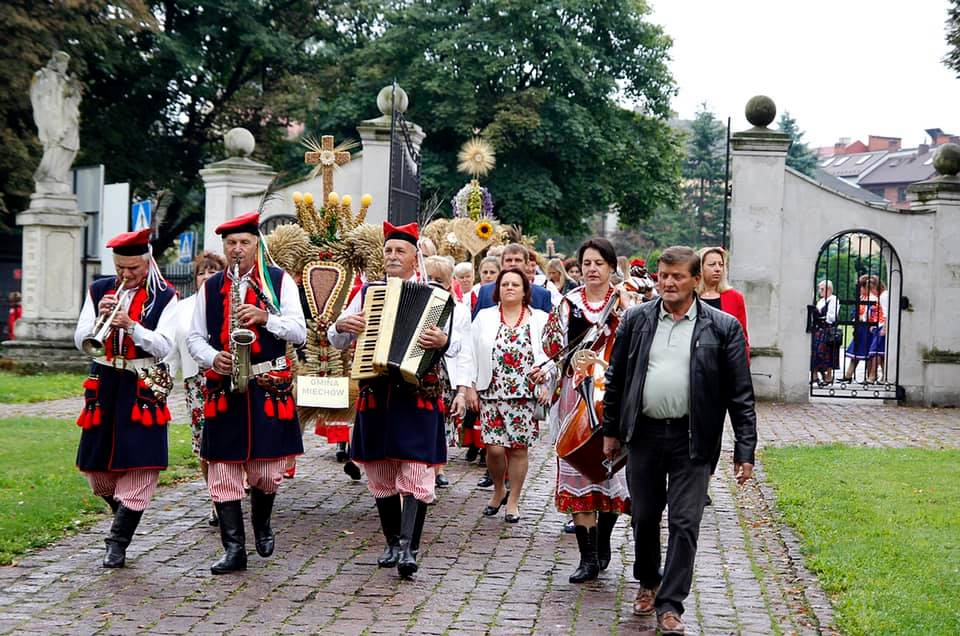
<point x="881" y="528"/>
<point x="42" y="494"/>
<point x="16" y="388"/>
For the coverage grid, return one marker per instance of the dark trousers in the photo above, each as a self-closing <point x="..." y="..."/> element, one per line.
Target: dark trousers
<point x="660" y="473"/>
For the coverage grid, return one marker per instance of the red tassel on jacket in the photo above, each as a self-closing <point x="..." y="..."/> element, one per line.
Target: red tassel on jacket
<point x="96" y="416"/>
<point x="268" y="408"/>
<point x="83" y="420"/>
<point x="209" y="408"/>
<point x="147" y="419"/>
<point x="371" y="401"/>
<point x="222" y="403"/>
<point x="135" y="413"/>
<point x="289" y="407"/>
<point x="91" y="384"/>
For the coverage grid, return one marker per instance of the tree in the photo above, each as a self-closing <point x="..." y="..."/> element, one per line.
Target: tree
<point x="164" y="79"/>
<point x="32" y="31"/>
<point x="952" y="58"/>
<point x="698" y="217"/>
<point x="544" y="83"/>
<point x="799" y="157"/>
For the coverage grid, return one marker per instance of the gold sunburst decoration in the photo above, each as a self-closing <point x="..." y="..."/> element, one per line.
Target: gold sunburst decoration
<point x="476" y="158"/>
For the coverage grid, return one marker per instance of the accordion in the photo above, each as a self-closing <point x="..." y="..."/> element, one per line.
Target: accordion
<point x="397" y="313"/>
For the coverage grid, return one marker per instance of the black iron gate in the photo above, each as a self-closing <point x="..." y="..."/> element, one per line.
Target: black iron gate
<point x="403" y="204"/>
<point x="854" y="320"/>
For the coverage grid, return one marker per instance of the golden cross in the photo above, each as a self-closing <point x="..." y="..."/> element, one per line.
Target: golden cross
<point x="327" y="158"/>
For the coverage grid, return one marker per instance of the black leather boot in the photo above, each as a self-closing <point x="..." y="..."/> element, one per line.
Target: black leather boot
<point x="412" y="516"/>
<point x="233" y="537"/>
<point x="113" y="503"/>
<point x="261" y="507"/>
<point x="588" y="569"/>
<point x="605" y="523"/>
<point x="125" y="523"/>
<point x="389" y="510"/>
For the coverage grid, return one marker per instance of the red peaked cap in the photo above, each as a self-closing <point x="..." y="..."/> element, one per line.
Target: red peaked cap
<point x="638" y="262"/>
<point x="409" y="232"/>
<point x="131" y="243"/>
<point x="249" y="222"/>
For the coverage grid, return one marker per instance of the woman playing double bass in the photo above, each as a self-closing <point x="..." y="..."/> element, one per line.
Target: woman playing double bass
<point x="594" y="506"/>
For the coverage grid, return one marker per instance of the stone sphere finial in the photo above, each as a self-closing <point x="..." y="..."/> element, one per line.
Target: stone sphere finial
<point x="760" y="111"/>
<point x="385" y="100"/>
<point x="239" y="142"/>
<point x="946" y="160"/>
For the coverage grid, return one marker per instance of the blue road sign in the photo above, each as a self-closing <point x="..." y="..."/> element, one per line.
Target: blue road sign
<point x="187" y="241"/>
<point x="140" y="215"/>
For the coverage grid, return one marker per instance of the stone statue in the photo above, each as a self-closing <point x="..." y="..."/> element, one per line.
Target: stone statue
<point x="55" y="97"/>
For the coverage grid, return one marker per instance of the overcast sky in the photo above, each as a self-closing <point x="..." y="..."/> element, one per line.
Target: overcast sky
<point x="842" y="68"/>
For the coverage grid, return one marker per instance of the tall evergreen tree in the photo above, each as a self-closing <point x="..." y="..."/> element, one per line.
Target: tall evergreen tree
<point x="703" y="175"/>
<point x="952" y="58"/>
<point x="799" y="157"/>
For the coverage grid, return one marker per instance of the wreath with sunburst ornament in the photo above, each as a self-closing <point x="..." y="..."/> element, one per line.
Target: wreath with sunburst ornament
<point x="485" y="230"/>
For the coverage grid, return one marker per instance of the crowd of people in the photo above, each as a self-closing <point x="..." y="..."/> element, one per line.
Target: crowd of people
<point x="613" y="364"/>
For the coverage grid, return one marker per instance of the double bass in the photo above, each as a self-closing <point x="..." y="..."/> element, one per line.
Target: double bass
<point x="580" y="442"/>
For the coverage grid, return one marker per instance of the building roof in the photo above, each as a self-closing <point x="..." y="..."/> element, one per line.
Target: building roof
<point x="851" y="166"/>
<point x="842" y="186"/>
<point x="906" y="166"/>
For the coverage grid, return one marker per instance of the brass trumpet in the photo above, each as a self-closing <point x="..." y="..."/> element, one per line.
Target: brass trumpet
<point x="93" y="344"/>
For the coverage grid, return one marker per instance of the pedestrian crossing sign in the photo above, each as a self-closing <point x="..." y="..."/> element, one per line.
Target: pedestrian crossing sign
<point x="140" y="215"/>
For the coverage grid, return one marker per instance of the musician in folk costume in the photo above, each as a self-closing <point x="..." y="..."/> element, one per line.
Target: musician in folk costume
<point x="398" y="436"/>
<point x="595" y="506"/>
<point x="127" y="323"/>
<point x="251" y="426"/>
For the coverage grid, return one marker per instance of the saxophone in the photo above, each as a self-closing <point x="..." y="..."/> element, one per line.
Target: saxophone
<point x="240" y="338"/>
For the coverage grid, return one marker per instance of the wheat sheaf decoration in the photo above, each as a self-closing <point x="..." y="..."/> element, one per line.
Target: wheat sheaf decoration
<point x="476" y="158"/>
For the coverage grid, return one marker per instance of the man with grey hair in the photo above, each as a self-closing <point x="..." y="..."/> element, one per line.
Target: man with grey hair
<point x="677" y="369"/>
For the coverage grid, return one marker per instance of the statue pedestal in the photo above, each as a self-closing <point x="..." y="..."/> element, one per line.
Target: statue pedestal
<point x="52" y="287"/>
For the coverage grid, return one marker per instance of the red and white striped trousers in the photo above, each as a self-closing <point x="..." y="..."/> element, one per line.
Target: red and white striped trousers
<point x="133" y="488"/>
<point x="387" y="477"/>
<point x="225" y="481"/>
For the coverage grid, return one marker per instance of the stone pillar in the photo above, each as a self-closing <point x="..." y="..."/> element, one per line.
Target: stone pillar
<point x="224" y="180"/>
<point x="758" y="166"/>
<point x="941" y="355"/>
<point x="375" y="136"/>
<point x="52" y="252"/>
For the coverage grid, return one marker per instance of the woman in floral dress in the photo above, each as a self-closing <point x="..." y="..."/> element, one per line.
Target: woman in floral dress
<point x="595" y="506"/>
<point x="204" y="266"/>
<point x="506" y="347"/>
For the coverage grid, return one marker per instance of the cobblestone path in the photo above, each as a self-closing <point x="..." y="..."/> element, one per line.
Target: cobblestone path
<point x="477" y="576"/>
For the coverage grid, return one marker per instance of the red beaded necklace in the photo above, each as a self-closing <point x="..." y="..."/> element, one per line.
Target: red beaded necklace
<point x="519" y="319"/>
<point x="593" y="308"/>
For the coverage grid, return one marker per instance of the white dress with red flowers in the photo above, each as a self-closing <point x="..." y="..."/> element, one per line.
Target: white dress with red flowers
<point x="507" y="405"/>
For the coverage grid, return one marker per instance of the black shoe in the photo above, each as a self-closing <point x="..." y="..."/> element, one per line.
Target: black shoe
<point x="589" y="568"/>
<point x="232" y="536"/>
<point x="353" y="470"/>
<point x="412" y="516"/>
<point x="389" y="510"/>
<point x="261" y="508"/>
<point x="482" y="461"/>
<point x="485" y="481"/>
<point x="605" y="523"/>
<point x="569" y="527"/>
<point x="472" y="453"/>
<point x="113" y="503"/>
<point x="491" y="511"/>
<point x="342" y="454"/>
<point x="125" y="523"/>
<point x="213" y="521"/>
<point x="707" y="501"/>
<point x="509" y="518"/>
<point x="441" y="481"/>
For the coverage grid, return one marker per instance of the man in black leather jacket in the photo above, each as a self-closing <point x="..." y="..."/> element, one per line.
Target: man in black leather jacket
<point x="677" y="368"/>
